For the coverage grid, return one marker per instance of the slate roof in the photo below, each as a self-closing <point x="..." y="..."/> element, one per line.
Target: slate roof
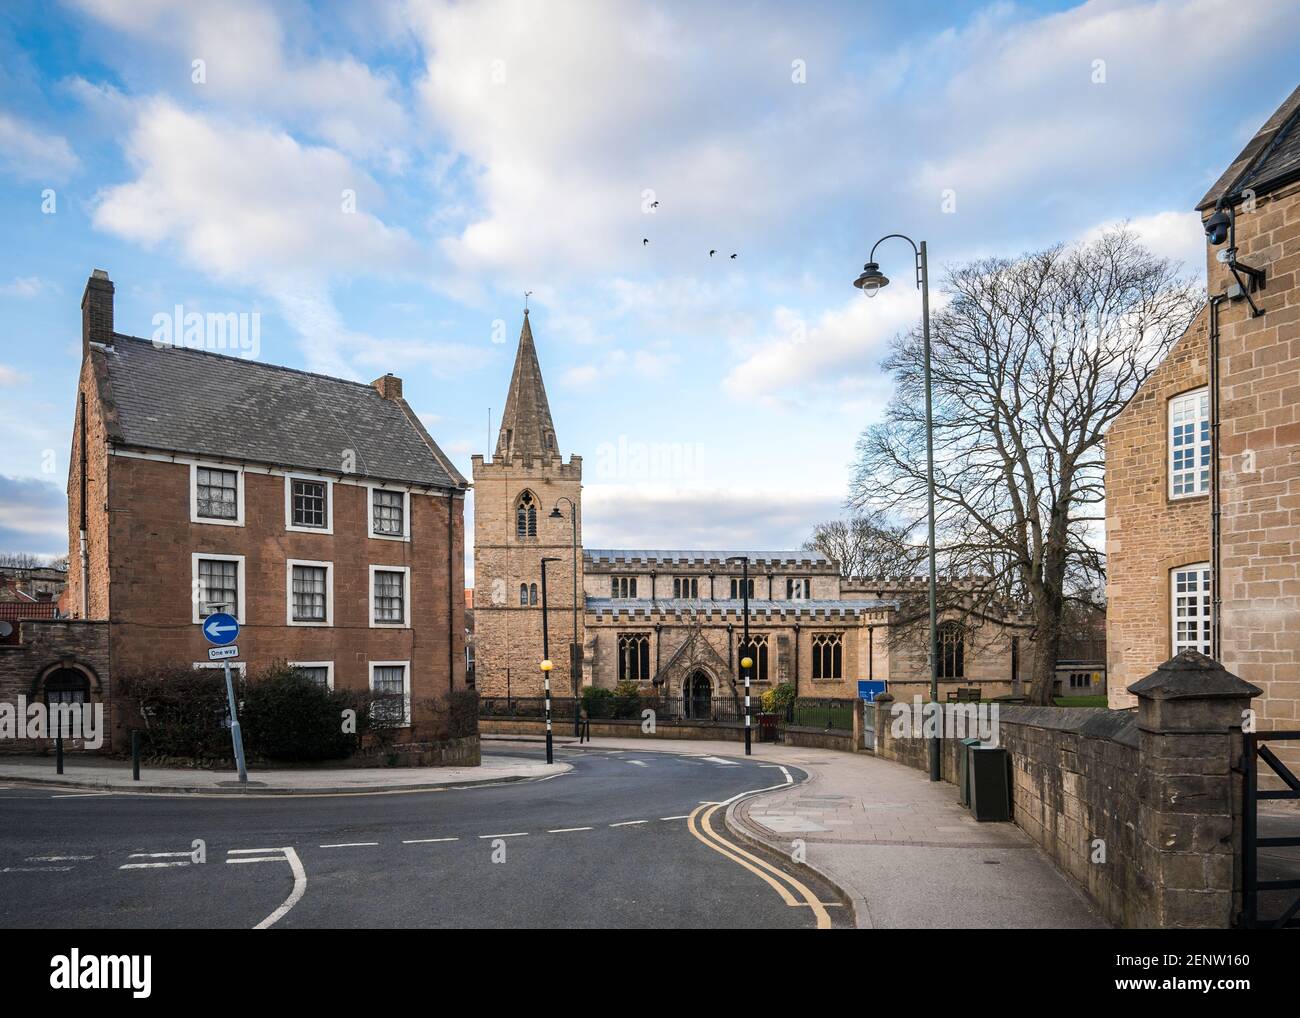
<point x="192" y="401"/>
<point x="698" y="555"/>
<point x="756" y="606"/>
<point x="1270" y="159"/>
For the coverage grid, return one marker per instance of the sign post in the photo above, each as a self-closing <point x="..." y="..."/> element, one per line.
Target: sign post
<point x="221" y="629"/>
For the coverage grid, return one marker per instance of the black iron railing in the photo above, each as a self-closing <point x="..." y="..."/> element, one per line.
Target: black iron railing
<point x="1254" y="751"/>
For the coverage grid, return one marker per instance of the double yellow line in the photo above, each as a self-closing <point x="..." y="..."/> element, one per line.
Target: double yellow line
<point x="698" y="823"/>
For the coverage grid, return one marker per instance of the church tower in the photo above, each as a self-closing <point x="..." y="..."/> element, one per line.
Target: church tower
<point x="516" y="494"/>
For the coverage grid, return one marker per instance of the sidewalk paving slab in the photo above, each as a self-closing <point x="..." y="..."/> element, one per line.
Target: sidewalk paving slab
<point x="115" y="775"/>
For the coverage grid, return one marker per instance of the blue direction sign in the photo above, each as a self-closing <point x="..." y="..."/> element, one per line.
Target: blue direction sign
<point x="869" y="689"/>
<point x="221" y="628"/>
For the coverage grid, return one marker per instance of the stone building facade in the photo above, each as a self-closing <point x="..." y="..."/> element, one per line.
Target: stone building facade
<point x="673" y="621"/>
<point x="1177" y="580"/>
<point x="317" y="511"/>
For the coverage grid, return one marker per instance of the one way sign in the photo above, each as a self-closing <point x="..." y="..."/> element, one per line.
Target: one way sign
<point x="221" y="629"/>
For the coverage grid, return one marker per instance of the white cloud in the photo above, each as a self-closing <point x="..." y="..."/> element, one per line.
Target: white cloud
<point x="32" y="154"/>
<point x="25" y="287"/>
<point x="1178" y="236"/>
<point x="249" y="65"/>
<point x="11" y="376"/>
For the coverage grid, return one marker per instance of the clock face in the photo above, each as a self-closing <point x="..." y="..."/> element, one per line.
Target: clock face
<point x="6" y="629"/>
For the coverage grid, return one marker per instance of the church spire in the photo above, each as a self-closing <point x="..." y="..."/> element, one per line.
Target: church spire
<point x="526" y="425"/>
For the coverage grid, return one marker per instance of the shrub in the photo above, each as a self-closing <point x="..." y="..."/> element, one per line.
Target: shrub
<point x="462" y="713"/>
<point x="182" y="711"/>
<point x="627" y="699"/>
<point x="777" y="699"/>
<point x="287" y="716"/>
<point x="598" y="702"/>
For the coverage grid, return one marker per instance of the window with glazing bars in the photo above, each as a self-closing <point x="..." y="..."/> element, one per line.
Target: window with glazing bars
<point x="388" y="509"/>
<point x="686" y="586"/>
<point x="634" y="656"/>
<point x="389" y="707"/>
<point x="622" y="586"/>
<point x="390" y="596"/>
<point x="218" y="585"/>
<point x="309" y="593"/>
<point x="218" y="493"/>
<point x="756" y="649"/>
<point x="828" y="656"/>
<point x="309" y="504"/>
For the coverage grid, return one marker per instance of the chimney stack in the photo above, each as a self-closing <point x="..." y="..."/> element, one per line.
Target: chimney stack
<point x="97" y="311"/>
<point x="389" y="386"/>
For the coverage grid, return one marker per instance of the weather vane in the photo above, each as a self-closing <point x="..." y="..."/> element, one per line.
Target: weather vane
<point x="527" y="294"/>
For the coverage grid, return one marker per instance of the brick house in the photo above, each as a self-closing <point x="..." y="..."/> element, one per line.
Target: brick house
<point x="318" y="511"/>
<point x="1203" y="466"/>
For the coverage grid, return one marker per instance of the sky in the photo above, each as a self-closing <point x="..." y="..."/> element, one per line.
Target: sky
<point x="382" y="182"/>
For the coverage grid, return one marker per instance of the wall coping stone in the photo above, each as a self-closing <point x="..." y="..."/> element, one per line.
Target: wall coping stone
<point x="1193" y="676"/>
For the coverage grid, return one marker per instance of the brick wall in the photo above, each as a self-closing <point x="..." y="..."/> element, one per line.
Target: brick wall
<point x="47" y="644"/>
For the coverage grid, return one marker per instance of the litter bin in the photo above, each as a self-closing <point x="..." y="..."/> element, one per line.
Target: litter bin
<point x="963" y="770"/>
<point x="767" y="728"/>
<point x="990" y="786"/>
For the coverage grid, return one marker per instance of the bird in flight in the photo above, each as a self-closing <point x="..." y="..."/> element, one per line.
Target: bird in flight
<point x="645" y="241"/>
<point x="733" y="256"/>
<point x="654" y="204"/>
<point x="713" y="252"/>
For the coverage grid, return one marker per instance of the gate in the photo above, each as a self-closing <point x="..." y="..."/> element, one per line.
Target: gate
<point x="1254" y="751"/>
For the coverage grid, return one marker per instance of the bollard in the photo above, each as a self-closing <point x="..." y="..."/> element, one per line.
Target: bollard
<point x="135" y="756"/>
<point x="58" y="753"/>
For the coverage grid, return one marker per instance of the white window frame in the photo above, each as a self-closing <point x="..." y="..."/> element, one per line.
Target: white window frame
<point x="288" y="504"/>
<point x="406" y="686"/>
<point x="239" y="666"/>
<point x="195" y="467"/>
<point x="370" y="513"/>
<point x="327" y="665"/>
<point x="406" y="597"/>
<point x="1203" y="609"/>
<point x="194" y="583"/>
<point x="1200" y="486"/>
<point x="289" y="620"/>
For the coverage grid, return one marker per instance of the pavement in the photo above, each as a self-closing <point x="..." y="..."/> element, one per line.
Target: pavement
<point x="97" y="773"/>
<point x="899" y="847"/>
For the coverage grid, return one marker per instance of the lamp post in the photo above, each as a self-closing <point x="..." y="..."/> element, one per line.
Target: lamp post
<point x="546" y="663"/>
<point x="746" y="662"/>
<point x="870" y="283"/>
<point x="574" y="664"/>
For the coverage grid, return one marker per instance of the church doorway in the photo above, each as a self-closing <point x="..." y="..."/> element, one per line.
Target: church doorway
<point x="697" y="697"/>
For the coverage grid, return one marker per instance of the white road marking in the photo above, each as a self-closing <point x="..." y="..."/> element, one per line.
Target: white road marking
<point x="160" y="855"/>
<point x="629" y="823"/>
<point x="150" y="865"/>
<point x="637" y="763"/>
<point x="566" y="830"/>
<point x="251" y="851"/>
<point x="36" y="869"/>
<point x="719" y="760"/>
<point x="57" y="858"/>
<point x="295" y="896"/>
<point x="684" y="816"/>
<point x="517" y="834"/>
<point x="255" y="858"/>
<point x="80" y="795"/>
<point x="353" y="844"/>
<point x="427" y="841"/>
<point x="788" y="780"/>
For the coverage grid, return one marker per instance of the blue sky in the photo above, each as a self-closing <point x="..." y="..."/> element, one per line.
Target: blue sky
<point x="499" y="147"/>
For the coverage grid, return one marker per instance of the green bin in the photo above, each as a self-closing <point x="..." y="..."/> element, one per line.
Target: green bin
<point x="990" y="783"/>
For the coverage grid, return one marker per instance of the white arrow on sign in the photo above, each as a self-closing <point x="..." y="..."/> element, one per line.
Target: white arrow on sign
<point x="213" y="628"/>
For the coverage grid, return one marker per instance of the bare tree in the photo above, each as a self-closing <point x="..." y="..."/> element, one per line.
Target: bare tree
<point x="20" y="560"/>
<point x="1033" y="358"/>
<point x="867" y="545"/>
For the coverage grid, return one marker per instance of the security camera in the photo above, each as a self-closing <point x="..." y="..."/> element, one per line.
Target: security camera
<point x="1217" y="227"/>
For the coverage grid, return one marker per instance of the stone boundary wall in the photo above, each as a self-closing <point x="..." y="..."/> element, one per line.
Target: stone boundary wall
<point x="1142" y="810"/>
<point x="616" y="728"/>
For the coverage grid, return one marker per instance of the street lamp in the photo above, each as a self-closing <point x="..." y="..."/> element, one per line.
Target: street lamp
<point x="574" y="663"/>
<point x="546" y="663"/>
<point x="870" y="282"/>
<point x="746" y="662"/>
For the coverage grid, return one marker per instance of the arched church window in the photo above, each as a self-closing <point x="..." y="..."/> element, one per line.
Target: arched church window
<point x="526" y="515"/>
<point x="523" y="595"/>
<point x="532" y="593"/>
<point x="952" y="651"/>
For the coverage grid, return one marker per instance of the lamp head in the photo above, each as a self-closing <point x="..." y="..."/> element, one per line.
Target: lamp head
<point x="546" y="665"/>
<point x="556" y="514"/>
<point x="871" y="280"/>
<point x="746" y="662"/>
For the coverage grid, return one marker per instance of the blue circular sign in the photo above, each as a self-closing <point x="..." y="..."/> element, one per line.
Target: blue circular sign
<point x="221" y="628"/>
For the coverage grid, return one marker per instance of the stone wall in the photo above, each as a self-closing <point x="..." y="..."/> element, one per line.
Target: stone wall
<point x="1141" y="810"/>
<point x="44" y="645"/>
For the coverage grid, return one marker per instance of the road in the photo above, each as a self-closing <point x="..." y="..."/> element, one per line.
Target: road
<point x="623" y="840"/>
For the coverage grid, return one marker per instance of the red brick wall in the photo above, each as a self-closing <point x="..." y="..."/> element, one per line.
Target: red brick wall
<point x="152" y="541"/>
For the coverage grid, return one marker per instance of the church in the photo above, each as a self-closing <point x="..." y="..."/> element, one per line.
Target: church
<point x="673" y="621"/>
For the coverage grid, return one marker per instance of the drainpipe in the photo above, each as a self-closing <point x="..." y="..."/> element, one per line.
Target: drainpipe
<point x="451" y="594"/>
<point x="796" y="659"/>
<point x="1216" y="504"/>
<point x="85" y="552"/>
<point x="871" y="652"/>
